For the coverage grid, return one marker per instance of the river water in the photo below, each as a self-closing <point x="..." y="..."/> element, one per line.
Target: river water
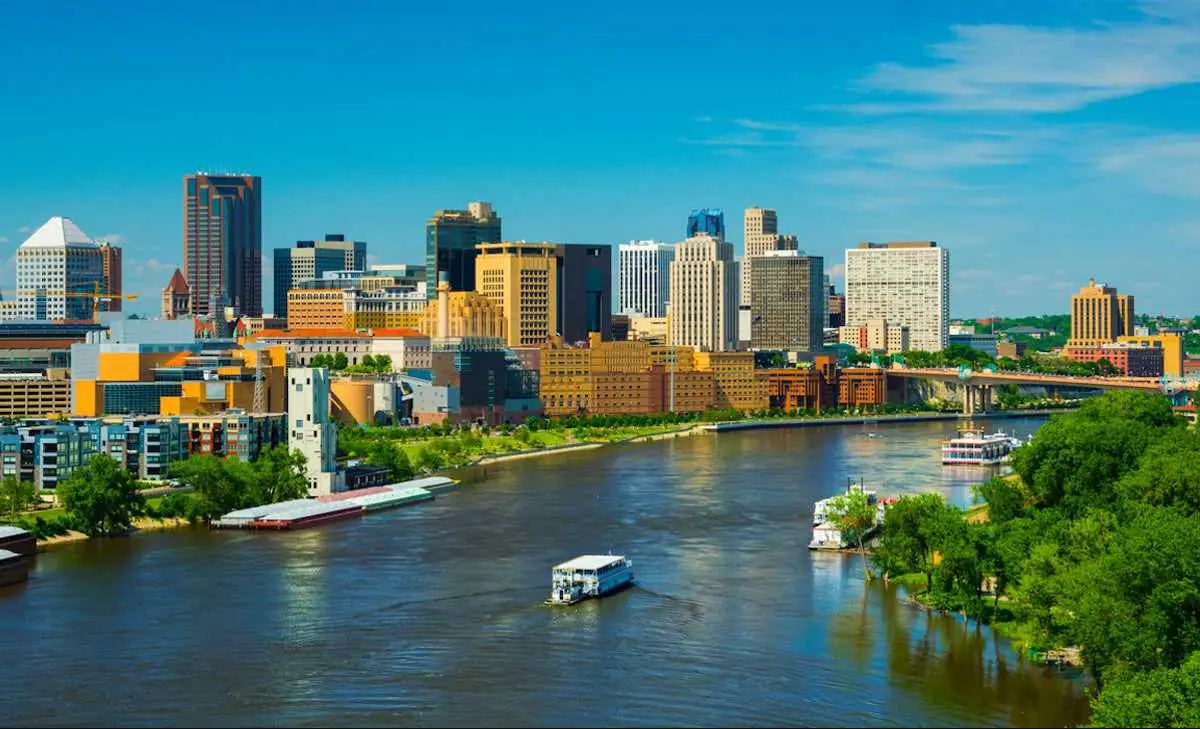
<point x="432" y="615"/>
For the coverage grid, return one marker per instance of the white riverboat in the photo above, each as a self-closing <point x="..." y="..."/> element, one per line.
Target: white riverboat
<point x="821" y="508"/>
<point x="592" y="575"/>
<point x="972" y="447"/>
<point x="826" y="534"/>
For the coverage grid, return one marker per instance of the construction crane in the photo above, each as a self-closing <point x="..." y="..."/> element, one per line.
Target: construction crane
<point x="96" y="296"/>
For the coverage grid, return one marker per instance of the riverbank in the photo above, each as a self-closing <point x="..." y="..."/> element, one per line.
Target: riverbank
<point x="875" y="419"/>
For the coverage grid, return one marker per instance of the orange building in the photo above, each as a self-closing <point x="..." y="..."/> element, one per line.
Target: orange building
<point x="316" y="309"/>
<point x="859" y="386"/>
<point x="736" y="384"/>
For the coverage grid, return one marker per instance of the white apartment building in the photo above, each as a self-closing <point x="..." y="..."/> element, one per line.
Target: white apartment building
<point x="760" y="237"/>
<point x="904" y="284"/>
<point x="643" y="267"/>
<point x="704" y="310"/>
<point x="310" y="429"/>
<point x="57" y="259"/>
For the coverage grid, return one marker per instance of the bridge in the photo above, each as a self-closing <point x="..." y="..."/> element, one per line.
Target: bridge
<point x="977" y="385"/>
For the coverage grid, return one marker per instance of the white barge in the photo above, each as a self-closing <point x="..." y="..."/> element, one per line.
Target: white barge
<point x="592" y="575"/>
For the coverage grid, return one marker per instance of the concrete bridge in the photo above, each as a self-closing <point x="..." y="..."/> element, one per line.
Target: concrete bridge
<point x="977" y="385"/>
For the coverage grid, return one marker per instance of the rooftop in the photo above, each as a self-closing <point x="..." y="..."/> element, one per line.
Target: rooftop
<point x="589" y="562"/>
<point x="311" y="333"/>
<point x="58" y="232"/>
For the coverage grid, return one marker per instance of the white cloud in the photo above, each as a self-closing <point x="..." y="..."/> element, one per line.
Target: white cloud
<point x="837" y="270"/>
<point x="1018" y="68"/>
<point x="113" y="238"/>
<point x="24" y="229"/>
<point x="1164" y="164"/>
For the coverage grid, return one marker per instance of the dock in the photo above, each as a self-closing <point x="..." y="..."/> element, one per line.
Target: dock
<point x="300" y="513"/>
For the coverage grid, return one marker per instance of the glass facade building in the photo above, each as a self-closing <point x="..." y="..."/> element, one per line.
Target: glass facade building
<point x="222" y="242"/>
<point x="450" y="240"/>
<point x="706" y="220"/>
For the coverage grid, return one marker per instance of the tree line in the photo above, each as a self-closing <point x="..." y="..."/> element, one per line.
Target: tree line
<point x="1093" y="545"/>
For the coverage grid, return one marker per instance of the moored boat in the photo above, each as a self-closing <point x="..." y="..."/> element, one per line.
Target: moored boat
<point x="592" y="575"/>
<point x="14" y="567"/>
<point x="972" y="447"/>
<point x="18" y="540"/>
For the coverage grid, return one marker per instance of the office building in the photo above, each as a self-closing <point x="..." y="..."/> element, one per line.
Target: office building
<point x="707" y="221"/>
<point x="787" y="308"/>
<point x="703" y="283"/>
<point x="110" y="267"/>
<point x="222" y="243"/>
<point x="1099" y="315"/>
<point x="584" y="297"/>
<point x="35" y="395"/>
<point x="1171" y="345"/>
<point x="761" y="236"/>
<point x="176" y="297"/>
<point x="451" y="237"/>
<point x="619" y="331"/>
<point x="311" y="260"/>
<point x="1130" y="358"/>
<point x="652" y="329"/>
<point x="310" y="429"/>
<point x="469" y="315"/>
<point x="301" y="345"/>
<point x="522" y="280"/>
<point x="408" y="349"/>
<point x="906" y="284"/>
<point x="877" y="335"/>
<point x="384" y="308"/>
<point x="316" y="309"/>
<point x="59" y="272"/>
<point x="644" y="277"/>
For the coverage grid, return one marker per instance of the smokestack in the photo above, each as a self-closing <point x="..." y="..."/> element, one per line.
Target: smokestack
<point x="443" y="299"/>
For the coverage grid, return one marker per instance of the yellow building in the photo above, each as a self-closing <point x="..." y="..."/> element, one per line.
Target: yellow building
<point x="1171" y="345"/>
<point x="735" y="383"/>
<point x="471" y="315"/>
<point x="683" y="358"/>
<point x="522" y="279"/>
<point x="381" y="309"/>
<point x="1100" y="315"/>
<point x="180" y="382"/>
<point x="618" y="356"/>
<point x="565" y="380"/>
<point x="316" y="309"/>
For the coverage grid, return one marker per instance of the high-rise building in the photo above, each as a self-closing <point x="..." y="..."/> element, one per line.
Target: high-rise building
<point x="761" y="236"/>
<point x="110" y="266"/>
<point x="709" y="221"/>
<point x="645" y="283"/>
<point x="450" y="240"/>
<point x="57" y="260"/>
<point x="584" y="291"/>
<point x="176" y="297"/>
<point x="310" y="429"/>
<point x="222" y="243"/>
<point x="522" y="279"/>
<point x="904" y="284"/>
<point x="1100" y="315"/>
<point x="311" y="259"/>
<point x="704" y="308"/>
<point x="788" y="308"/>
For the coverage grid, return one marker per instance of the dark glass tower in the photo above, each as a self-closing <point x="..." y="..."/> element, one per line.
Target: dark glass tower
<point x="707" y="220"/>
<point x="584" y="291"/>
<point x="450" y="240"/>
<point x="222" y="242"/>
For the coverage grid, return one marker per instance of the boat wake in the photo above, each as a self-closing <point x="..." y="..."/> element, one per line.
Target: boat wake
<point x="464" y="596"/>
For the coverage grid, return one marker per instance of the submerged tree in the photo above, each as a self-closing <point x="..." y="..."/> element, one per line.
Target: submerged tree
<point x="854" y="515"/>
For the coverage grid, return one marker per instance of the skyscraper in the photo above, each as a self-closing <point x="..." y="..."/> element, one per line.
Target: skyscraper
<point x="58" y="259"/>
<point x="904" y="284"/>
<point x="450" y="240"/>
<point x="1099" y="315"/>
<point x="644" y="277"/>
<point x="110" y="265"/>
<point x="704" y="307"/>
<point x="522" y="279"/>
<point x="312" y="259"/>
<point x="584" y="291"/>
<point x="761" y="231"/>
<point x="710" y="221"/>
<point x="222" y="242"/>
<point x="788" y="308"/>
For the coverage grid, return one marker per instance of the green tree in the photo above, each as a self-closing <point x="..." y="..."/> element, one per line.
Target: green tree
<point x="101" y="497"/>
<point x="279" y="475"/>
<point x="386" y="455"/>
<point x="854" y="515"/>
<point x="1168" y="474"/>
<point x="220" y="485"/>
<point x="16" y="495"/>
<point x="340" y="362"/>
<point x="383" y="363"/>
<point x="368" y="362"/>
<point x="906" y="542"/>
<point x="1164" y="697"/>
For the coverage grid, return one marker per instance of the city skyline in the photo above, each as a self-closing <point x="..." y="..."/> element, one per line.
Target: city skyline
<point x="1035" y="177"/>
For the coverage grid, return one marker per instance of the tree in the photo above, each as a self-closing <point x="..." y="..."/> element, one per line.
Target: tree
<point x="909" y="529"/>
<point x="1168" y="474"/>
<point x="220" y="484"/>
<point x="386" y="455"/>
<point x="279" y="475"/>
<point x="368" y="362"/>
<point x="854" y="515"/>
<point x="340" y="362"/>
<point x="101" y="496"/>
<point x="1164" y="697"/>
<point x="383" y="363"/>
<point x="16" y="495"/>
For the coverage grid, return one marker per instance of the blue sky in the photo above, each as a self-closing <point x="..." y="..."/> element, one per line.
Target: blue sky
<point x="1041" y="145"/>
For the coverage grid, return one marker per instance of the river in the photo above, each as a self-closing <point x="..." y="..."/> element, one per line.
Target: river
<point x="432" y="615"/>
